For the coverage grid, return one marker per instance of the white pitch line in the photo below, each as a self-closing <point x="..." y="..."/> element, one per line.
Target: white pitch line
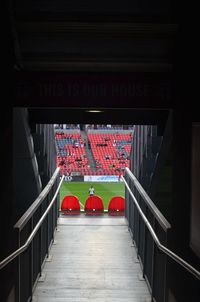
<point x="99" y="191"/>
<point x="81" y="204"/>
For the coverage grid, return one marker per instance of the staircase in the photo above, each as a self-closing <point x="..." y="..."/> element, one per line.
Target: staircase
<point x="88" y="150"/>
<point x="93" y="260"/>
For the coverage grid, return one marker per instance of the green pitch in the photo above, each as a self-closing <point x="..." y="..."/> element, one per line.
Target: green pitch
<point x="105" y="190"/>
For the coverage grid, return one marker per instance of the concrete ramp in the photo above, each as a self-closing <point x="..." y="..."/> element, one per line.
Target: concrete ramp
<point x="93" y="259"/>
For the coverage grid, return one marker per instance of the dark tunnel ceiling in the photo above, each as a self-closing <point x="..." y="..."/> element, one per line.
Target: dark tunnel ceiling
<point x="106" y="116"/>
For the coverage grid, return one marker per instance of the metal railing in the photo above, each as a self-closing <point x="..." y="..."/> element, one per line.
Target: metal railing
<point x="145" y="220"/>
<point x="149" y="228"/>
<point x="34" y="234"/>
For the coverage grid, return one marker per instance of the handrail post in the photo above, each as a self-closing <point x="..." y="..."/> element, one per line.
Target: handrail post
<point x="56" y="211"/>
<point x="31" y="263"/>
<point x="54" y="219"/>
<point x="135" y="218"/>
<point x="18" y="284"/>
<point x="40" y="247"/>
<point x="52" y="216"/>
<point x="153" y="267"/>
<point x="129" y="213"/>
<point x="144" y="246"/>
<point x="137" y="229"/>
<point x="138" y="234"/>
<point x="165" y="298"/>
<point x="47" y="237"/>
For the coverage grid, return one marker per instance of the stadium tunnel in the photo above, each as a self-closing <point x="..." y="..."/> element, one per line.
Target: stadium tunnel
<point x="168" y="146"/>
<point x="134" y="62"/>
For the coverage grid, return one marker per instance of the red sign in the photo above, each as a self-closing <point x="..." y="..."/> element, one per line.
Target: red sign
<point x="90" y="90"/>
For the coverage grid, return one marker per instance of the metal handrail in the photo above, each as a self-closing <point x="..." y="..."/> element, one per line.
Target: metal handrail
<point x="160" y="246"/>
<point x="159" y="216"/>
<point x="31" y="210"/>
<point x="33" y="233"/>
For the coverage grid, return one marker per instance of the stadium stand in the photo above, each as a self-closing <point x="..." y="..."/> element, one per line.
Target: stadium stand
<point x="71" y="155"/>
<point x="70" y="205"/>
<point x="98" y="150"/>
<point x="111" y="152"/>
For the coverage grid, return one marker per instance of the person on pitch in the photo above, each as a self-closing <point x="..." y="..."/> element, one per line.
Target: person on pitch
<point x="91" y="191"/>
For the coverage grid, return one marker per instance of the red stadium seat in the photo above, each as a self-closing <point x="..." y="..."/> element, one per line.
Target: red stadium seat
<point x="116" y="206"/>
<point x="70" y="205"/>
<point x="94" y="205"/>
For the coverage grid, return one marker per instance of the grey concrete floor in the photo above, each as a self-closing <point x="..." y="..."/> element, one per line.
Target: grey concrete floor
<point x="93" y="259"/>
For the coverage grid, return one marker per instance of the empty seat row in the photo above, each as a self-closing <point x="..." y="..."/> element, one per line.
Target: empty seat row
<point x="93" y="205"/>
